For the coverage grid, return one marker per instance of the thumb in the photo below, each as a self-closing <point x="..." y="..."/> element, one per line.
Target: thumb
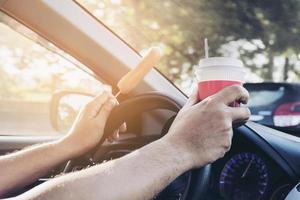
<point x="193" y="99"/>
<point x="106" y="110"/>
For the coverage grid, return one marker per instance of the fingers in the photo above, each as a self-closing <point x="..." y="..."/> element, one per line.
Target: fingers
<point x="231" y="94"/>
<point x="239" y="114"/>
<point x="114" y="136"/>
<point x="100" y="98"/>
<point x="106" y="110"/>
<point x="193" y="99"/>
<point x="123" y="127"/>
<point x="116" y="133"/>
<point x="101" y="106"/>
<point x="95" y="105"/>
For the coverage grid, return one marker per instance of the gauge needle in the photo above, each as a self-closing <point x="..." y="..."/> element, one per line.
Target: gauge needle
<point x="247" y="168"/>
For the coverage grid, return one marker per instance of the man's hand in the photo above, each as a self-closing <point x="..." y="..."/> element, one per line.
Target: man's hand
<point x="86" y="132"/>
<point x="202" y="132"/>
<point x="89" y="125"/>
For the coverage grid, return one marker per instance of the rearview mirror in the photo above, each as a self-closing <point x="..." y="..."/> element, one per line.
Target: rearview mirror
<point x="65" y="105"/>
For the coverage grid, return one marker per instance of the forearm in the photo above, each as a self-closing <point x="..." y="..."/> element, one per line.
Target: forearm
<point x="139" y="175"/>
<point x="24" y="167"/>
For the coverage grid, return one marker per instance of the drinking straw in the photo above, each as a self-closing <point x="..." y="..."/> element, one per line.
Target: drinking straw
<point x="206" y="48"/>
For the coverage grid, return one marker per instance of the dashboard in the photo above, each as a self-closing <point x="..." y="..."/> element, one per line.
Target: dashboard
<point x="247" y="172"/>
<point x="253" y="169"/>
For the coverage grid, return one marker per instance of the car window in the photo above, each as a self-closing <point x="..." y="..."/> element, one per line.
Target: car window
<point x="264" y="97"/>
<point x="31" y="71"/>
<point x="263" y="34"/>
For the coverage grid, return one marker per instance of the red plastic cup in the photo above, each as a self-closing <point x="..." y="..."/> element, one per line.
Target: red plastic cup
<point x="215" y="73"/>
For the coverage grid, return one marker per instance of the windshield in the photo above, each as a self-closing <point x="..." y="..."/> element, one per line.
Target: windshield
<point x="263" y="34"/>
<point x="32" y="71"/>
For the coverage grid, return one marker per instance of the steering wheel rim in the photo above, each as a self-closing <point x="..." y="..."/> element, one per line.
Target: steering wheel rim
<point x="136" y="105"/>
<point x="147" y="102"/>
<point x="142" y="103"/>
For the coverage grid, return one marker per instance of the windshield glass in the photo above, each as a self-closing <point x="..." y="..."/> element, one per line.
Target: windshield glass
<point x="265" y="97"/>
<point x="263" y="34"/>
<point x="32" y="72"/>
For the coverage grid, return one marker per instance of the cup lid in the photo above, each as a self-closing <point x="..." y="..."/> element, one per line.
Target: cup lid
<point x="220" y="61"/>
<point x="220" y="68"/>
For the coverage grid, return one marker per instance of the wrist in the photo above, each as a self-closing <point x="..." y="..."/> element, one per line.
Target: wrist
<point x="69" y="147"/>
<point x="177" y="153"/>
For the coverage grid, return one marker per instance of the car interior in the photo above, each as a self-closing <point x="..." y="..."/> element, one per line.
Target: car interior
<point x="263" y="163"/>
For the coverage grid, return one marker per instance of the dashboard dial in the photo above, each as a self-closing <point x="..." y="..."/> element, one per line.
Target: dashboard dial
<point x="244" y="176"/>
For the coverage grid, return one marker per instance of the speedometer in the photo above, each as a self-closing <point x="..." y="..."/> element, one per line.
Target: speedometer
<point x="244" y="176"/>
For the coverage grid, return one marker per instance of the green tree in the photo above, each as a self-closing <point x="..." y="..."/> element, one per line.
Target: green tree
<point x="270" y="26"/>
<point x="275" y="23"/>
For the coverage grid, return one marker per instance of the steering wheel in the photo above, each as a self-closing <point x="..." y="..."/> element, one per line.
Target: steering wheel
<point x="133" y="107"/>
